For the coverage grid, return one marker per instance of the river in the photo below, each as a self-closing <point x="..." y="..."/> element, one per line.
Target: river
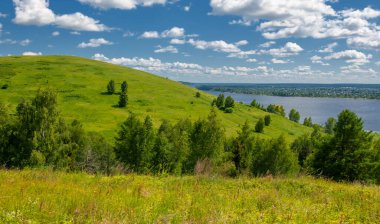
<point x="319" y="109"/>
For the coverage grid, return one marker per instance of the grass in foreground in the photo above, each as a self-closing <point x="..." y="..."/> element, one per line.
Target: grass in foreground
<point x="53" y="197"/>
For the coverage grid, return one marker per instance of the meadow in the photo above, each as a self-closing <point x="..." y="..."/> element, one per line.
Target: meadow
<point x="53" y="197"/>
<point x="81" y="86"/>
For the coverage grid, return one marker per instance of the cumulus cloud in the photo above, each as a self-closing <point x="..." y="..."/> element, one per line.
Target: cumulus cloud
<point x="238" y="73"/>
<point x="187" y="8"/>
<point x="95" y="43"/>
<point x="37" y="12"/>
<point x="168" y="49"/>
<point x="267" y="44"/>
<point x="30" y="53"/>
<point x="241" y="22"/>
<point x="251" y="60"/>
<point x="318" y="60"/>
<point x="25" y="42"/>
<point x="350" y="56"/>
<point x="121" y="4"/>
<point x="329" y="48"/>
<point x="217" y="45"/>
<point x="305" y="18"/>
<point x="55" y="34"/>
<point x="174" y="32"/>
<point x="290" y="49"/>
<point x="177" y="41"/>
<point x="279" y="61"/>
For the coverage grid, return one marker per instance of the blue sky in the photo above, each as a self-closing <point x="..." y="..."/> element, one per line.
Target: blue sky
<point x="255" y="41"/>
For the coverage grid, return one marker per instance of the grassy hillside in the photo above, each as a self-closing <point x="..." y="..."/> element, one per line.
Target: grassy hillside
<point x="50" y="197"/>
<point x="81" y="84"/>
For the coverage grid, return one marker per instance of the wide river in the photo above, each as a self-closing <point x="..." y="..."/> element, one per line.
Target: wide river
<point x="319" y="109"/>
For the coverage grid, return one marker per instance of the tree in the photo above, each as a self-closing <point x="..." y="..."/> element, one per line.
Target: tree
<point x="197" y="94"/>
<point x="273" y="157"/>
<point x="308" y="122"/>
<point x="344" y="156"/>
<point x="123" y="100"/>
<point x="303" y="147"/>
<point x="242" y="147"/>
<point x="229" y="102"/>
<point x="330" y="125"/>
<point x="124" y="87"/>
<point x="134" y="144"/>
<point x="294" y="115"/>
<point x="220" y="101"/>
<point x="206" y="141"/>
<point x="276" y="109"/>
<point x="111" y="87"/>
<point x="267" y="120"/>
<point x="259" y="128"/>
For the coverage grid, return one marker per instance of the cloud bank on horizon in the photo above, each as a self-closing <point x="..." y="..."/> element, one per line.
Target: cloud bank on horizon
<point x="327" y="41"/>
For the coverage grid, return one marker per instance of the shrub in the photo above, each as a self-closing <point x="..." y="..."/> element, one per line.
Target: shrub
<point x="267" y="120"/>
<point x="229" y="110"/>
<point x="259" y="128"/>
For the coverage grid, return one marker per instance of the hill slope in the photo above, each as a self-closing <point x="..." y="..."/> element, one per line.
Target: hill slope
<point x="81" y="84"/>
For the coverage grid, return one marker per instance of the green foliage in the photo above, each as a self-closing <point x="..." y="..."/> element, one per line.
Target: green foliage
<point x="273" y="157"/>
<point x="308" y="122"/>
<point x="111" y="87"/>
<point x="197" y="94"/>
<point x="303" y="147"/>
<point x="330" y="125"/>
<point x="346" y="155"/>
<point x="229" y="102"/>
<point x="242" y="148"/>
<point x="124" y="87"/>
<point x="134" y="144"/>
<point x="229" y="110"/>
<point x="220" y="101"/>
<point x="294" y="115"/>
<point x="259" y="128"/>
<point x="276" y="109"/>
<point x="123" y="100"/>
<point x="267" y="120"/>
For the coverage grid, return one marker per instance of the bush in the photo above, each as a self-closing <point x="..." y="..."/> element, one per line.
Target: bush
<point x="294" y="115"/>
<point x="229" y="110"/>
<point x="111" y="87"/>
<point x="267" y="120"/>
<point x="197" y="94"/>
<point x="229" y="102"/>
<point x="259" y="128"/>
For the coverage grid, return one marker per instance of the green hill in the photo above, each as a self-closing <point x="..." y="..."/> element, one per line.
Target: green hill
<point x="81" y="84"/>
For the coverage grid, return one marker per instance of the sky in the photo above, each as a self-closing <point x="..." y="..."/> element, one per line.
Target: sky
<point x="239" y="41"/>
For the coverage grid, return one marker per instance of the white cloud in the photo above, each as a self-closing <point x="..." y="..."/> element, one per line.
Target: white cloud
<point x="217" y="45"/>
<point x="74" y="33"/>
<point x="30" y="53"/>
<point x="2" y="15"/>
<point x="150" y="35"/>
<point x="168" y="49"/>
<point x="350" y="56"/>
<point x="187" y="8"/>
<point x="242" y="43"/>
<point x="251" y="60"/>
<point x="25" y="42"/>
<point x="329" y="48"/>
<point x="305" y="18"/>
<point x="267" y="44"/>
<point x="377" y="63"/>
<point x="121" y="4"/>
<point x="175" y="32"/>
<point x="55" y="34"/>
<point x="240" y="22"/>
<point x="290" y="49"/>
<point x="181" y="70"/>
<point x="8" y="41"/>
<point x="318" y="60"/>
<point x="177" y="41"/>
<point x="279" y="61"/>
<point x="95" y="43"/>
<point x="37" y="12"/>
<point x="129" y="34"/>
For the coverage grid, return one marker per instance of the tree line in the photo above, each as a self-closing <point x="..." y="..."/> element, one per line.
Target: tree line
<point x="36" y="136"/>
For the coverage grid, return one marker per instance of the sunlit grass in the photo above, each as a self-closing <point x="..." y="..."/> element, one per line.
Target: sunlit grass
<point x="54" y="197"/>
<point x="80" y="83"/>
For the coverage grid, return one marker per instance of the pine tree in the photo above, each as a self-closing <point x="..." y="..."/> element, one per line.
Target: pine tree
<point x="111" y="87"/>
<point x="259" y="128"/>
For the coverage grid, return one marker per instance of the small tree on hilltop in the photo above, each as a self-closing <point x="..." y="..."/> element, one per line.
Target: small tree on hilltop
<point x="229" y="103"/>
<point x="267" y="120"/>
<point x="294" y="115"/>
<point x="123" y="100"/>
<point x="308" y="122"/>
<point x="111" y="87"/>
<point x="259" y="128"/>
<point x="124" y="87"/>
<point x="220" y="101"/>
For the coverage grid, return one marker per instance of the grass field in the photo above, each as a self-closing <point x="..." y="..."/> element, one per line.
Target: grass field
<point x="80" y="83"/>
<point x="51" y="197"/>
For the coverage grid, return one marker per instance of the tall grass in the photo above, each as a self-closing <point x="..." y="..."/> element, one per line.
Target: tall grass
<point x="54" y="197"/>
